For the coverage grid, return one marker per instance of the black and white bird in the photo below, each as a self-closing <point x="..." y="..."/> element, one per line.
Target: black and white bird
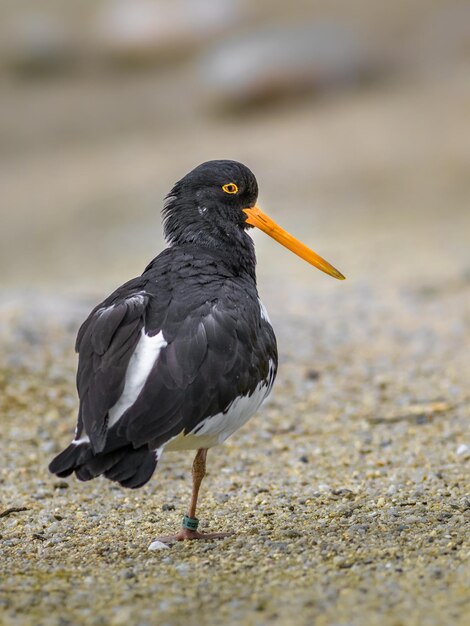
<point x="182" y="356"/>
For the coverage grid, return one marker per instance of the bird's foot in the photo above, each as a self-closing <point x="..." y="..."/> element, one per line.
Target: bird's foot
<point x="185" y="534"/>
<point x="188" y="532"/>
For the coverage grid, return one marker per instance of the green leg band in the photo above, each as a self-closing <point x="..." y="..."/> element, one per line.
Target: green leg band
<point x="190" y="523"/>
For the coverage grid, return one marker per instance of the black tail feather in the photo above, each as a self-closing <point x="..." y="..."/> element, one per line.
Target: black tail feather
<point x="69" y="459"/>
<point x="135" y="469"/>
<point x="103" y="462"/>
<point x="130" y="467"/>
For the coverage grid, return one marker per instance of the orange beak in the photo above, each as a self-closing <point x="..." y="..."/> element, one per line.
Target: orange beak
<point x="256" y="217"/>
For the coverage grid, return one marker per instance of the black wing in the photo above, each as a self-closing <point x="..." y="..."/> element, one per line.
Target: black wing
<point x="217" y="349"/>
<point x="216" y="354"/>
<point x="105" y="343"/>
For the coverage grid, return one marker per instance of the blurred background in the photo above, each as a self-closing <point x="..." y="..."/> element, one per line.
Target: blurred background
<point x="353" y="115"/>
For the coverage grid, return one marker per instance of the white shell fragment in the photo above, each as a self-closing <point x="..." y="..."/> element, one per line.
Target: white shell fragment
<point x="158" y="545"/>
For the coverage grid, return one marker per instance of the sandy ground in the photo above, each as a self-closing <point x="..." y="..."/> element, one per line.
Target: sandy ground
<point x="348" y="493"/>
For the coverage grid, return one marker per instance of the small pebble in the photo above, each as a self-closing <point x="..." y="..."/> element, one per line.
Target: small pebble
<point x="158" y="545"/>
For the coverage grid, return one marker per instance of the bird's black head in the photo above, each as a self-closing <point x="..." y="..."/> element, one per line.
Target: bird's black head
<point x="206" y="206"/>
<point x="214" y="205"/>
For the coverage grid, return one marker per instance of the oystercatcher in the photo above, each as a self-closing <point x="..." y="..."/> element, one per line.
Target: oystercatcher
<point x="182" y="356"/>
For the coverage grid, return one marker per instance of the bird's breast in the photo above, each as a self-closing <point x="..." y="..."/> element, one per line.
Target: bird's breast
<point x="215" y="429"/>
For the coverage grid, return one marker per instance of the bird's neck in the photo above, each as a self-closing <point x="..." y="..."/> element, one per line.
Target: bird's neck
<point x="224" y="238"/>
<point x="221" y="238"/>
<point x="231" y="246"/>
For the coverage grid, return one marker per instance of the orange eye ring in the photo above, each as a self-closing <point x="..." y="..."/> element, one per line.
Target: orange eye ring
<point x="230" y="188"/>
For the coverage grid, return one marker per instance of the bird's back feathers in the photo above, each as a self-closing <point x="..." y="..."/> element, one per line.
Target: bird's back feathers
<point x="213" y="347"/>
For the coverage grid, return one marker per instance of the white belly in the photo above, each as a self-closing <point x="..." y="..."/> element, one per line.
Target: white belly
<point x="215" y="430"/>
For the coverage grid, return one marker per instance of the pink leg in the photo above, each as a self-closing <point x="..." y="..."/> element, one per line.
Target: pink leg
<point x="198" y="472"/>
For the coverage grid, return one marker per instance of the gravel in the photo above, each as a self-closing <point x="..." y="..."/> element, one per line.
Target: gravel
<point x="347" y="505"/>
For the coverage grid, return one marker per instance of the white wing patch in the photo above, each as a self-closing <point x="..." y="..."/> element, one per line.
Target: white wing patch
<point x="84" y="439"/>
<point x="264" y="312"/>
<point x="140" y="364"/>
<point x="137" y="297"/>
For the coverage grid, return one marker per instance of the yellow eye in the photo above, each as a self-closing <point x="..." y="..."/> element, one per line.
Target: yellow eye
<point x="230" y="188"/>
